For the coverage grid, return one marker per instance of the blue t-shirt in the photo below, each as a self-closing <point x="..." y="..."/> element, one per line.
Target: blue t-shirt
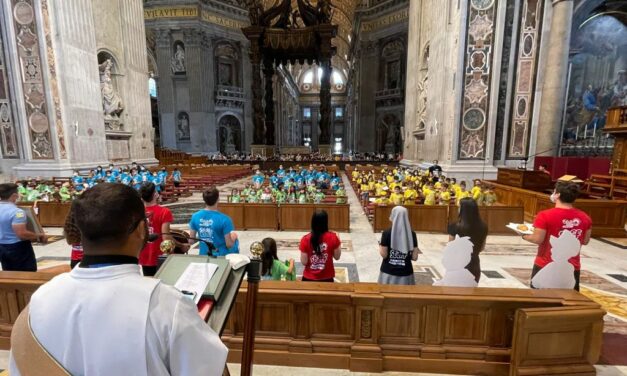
<point x="176" y="175"/>
<point x="10" y="215"/>
<point x="212" y="226"/>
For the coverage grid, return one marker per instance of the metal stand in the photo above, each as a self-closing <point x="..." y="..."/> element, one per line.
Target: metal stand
<point x="248" y="347"/>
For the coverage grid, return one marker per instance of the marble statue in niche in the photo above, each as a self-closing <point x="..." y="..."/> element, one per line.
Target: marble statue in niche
<point x="178" y="60"/>
<point x="183" y="126"/>
<point x="111" y="101"/>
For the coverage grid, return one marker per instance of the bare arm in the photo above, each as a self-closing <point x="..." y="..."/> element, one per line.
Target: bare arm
<point x="337" y="253"/>
<point x="24" y="234"/>
<point x="586" y="238"/>
<point x="291" y="268"/>
<point x="304" y="259"/>
<point x="165" y="231"/>
<point x="537" y="237"/>
<point x="383" y="251"/>
<point x="230" y="239"/>
<point x="192" y="234"/>
<point x="414" y="254"/>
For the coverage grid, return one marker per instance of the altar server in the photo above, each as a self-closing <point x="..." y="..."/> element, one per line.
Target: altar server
<point x="104" y="317"/>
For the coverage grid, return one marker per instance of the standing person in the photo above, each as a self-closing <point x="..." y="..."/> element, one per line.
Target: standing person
<point x="435" y="169"/>
<point x="212" y="226"/>
<point x="73" y="239"/>
<point x="398" y="247"/>
<point x="469" y="223"/>
<point x="552" y="222"/>
<point x="159" y="220"/>
<point x="176" y="177"/>
<point x="103" y="317"/>
<point x="318" y="249"/>
<point x="16" y="250"/>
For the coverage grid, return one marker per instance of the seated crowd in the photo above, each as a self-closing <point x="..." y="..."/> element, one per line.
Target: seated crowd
<point x="405" y="186"/>
<point x="133" y="176"/>
<point x="310" y="157"/>
<point x="292" y="186"/>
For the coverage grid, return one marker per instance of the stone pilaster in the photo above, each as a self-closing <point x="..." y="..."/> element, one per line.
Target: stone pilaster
<point x="167" y="123"/>
<point x="555" y="75"/>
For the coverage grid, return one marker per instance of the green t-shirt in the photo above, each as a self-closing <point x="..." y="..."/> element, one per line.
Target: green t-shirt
<point x="279" y="270"/>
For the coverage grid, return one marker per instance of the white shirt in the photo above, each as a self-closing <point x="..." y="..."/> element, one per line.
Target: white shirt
<point x="114" y="321"/>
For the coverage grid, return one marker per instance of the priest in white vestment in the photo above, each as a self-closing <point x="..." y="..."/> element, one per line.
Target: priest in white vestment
<point x="104" y="317"/>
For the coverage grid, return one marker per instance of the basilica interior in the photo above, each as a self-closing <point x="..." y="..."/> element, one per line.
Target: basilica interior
<point x="489" y="91"/>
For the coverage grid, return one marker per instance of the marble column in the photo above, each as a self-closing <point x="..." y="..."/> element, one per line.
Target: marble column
<point x="268" y="72"/>
<point x="555" y="76"/>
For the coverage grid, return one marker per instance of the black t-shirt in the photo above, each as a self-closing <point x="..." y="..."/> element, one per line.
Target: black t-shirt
<point x="435" y="168"/>
<point x="477" y="236"/>
<point x="395" y="263"/>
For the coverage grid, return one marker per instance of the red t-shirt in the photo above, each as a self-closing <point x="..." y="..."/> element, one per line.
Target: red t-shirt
<point x="556" y="220"/>
<point x="77" y="252"/>
<point x="320" y="267"/>
<point x="157" y="216"/>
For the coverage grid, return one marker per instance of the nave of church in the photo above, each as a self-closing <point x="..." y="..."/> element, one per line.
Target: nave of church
<point x="340" y="187"/>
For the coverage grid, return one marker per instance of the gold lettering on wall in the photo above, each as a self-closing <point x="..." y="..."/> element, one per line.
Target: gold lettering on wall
<point x="213" y="18"/>
<point x="379" y="23"/>
<point x="170" y="12"/>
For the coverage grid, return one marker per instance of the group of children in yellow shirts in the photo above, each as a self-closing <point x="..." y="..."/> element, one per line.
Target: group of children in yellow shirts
<point x="401" y="186"/>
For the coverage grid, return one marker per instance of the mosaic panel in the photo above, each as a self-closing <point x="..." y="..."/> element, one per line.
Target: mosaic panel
<point x="31" y="65"/>
<point x="528" y="45"/>
<point x="8" y="140"/>
<point x="477" y="78"/>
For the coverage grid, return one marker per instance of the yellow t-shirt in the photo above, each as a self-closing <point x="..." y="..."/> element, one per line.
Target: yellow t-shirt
<point x="461" y="195"/>
<point x="371" y="185"/>
<point x="382" y="201"/>
<point x="456" y="188"/>
<point x="410" y="196"/>
<point x="389" y="179"/>
<point x="475" y="191"/>
<point x="396" y="198"/>
<point x="437" y="185"/>
<point x="445" y="198"/>
<point x="429" y="197"/>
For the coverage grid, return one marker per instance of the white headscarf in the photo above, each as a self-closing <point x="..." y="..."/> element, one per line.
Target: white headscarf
<point x="402" y="239"/>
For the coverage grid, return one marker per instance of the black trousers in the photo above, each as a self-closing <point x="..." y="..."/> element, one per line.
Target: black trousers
<point x="19" y="257"/>
<point x="536" y="269"/>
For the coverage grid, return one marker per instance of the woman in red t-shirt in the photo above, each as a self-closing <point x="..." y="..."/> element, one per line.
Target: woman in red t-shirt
<point x="318" y="249"/>
<point x="552" y="222"/>
<point x="159" y="219"/>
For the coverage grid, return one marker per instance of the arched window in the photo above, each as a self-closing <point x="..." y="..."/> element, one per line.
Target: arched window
<point x="152" y="87"/>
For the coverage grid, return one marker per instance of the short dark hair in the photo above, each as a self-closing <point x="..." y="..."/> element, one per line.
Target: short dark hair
<point x="7" y="190"/>
<point x="147" y="191"/>
<point x="211" y="196"/>
<point x="108" y="213"/>
<point x="568" y="191"/>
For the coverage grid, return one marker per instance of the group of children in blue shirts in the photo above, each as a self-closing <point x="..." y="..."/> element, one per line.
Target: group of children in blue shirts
<point x="132" y="176"/>
<point x="291" y="186"/>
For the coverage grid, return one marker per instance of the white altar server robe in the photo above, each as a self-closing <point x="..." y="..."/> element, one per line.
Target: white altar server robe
<point x="113" y="321"/>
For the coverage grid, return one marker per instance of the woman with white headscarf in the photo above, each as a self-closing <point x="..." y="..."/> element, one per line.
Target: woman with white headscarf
<point x="398" y="247"/>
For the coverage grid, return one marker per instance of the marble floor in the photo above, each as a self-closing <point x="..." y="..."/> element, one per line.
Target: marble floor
<point x="506" y="262"/>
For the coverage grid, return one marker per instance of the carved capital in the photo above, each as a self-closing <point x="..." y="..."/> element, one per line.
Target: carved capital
<point x="192" y="37"/>
<point x="163" y="38"/>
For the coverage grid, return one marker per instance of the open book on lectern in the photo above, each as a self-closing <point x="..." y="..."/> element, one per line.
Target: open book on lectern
<point x="180" y="270"/>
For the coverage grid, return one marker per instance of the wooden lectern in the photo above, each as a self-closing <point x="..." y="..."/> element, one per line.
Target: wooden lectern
<point x="533" y="180"/>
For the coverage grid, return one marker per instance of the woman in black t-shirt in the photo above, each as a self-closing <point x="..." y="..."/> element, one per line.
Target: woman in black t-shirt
<point x="398" y="247"/>
<point x="470" y="224"/>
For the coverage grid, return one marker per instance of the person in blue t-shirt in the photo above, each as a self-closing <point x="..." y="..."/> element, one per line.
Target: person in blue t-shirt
<point x="176" y="177"/>
<point x="16" y="250"/>
<point x="212" y="226"/>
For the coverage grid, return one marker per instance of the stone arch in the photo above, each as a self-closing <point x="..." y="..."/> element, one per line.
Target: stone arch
<point x="388" y="133"/>
<point x="229" y="133"/>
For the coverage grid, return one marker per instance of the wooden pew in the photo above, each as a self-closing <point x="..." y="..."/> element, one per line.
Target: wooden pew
<point x="297" y="217"/>
<point x="376" y="328"/>
<point x="53" y="214"/>
<point x="252" y="216"/>
<point x="608" y="216"/>
<point x="427" y="218"/>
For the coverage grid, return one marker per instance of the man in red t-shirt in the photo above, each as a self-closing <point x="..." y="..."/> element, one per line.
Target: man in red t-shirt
<point x="319" y="265"/>
<point x="159" y="219"/>
<point x="552" y="222"/>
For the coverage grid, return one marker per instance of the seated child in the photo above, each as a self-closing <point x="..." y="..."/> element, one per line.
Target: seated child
<point x="340" y="195"/>
<point x="445" y="195"/>
<point x="397" y="197"/>
<point x="235" y="197"/>
<point x="410" y="195"/>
